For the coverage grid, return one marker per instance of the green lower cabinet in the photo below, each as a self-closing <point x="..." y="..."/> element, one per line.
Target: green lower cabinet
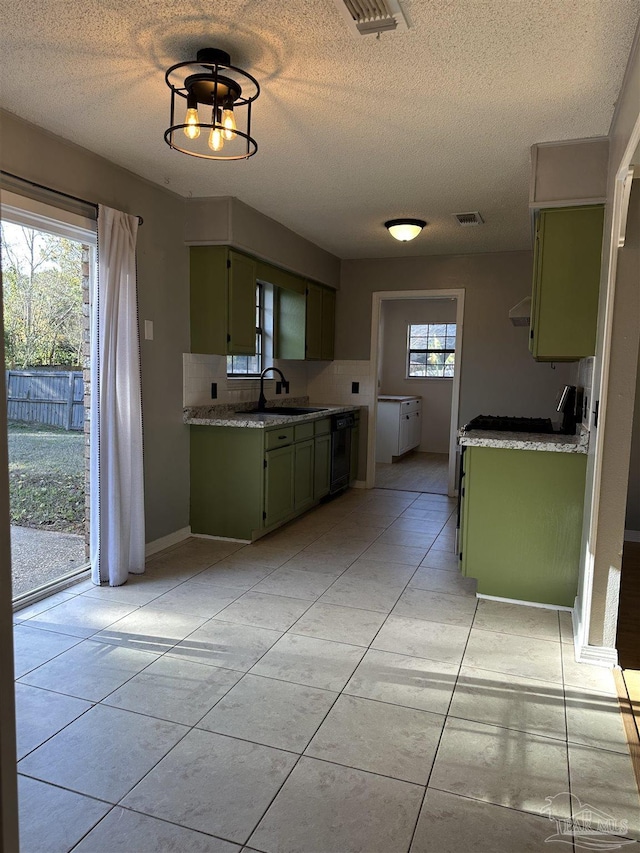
<point x="227" y="481"/>
<point x="279" y="495"/>
<point x="322" y="467"/>
<point x="521" y="523"/>
<point x="303" y="474"/>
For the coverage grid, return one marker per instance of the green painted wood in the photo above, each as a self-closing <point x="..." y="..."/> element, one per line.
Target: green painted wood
<point x="280" y="278"/>
<point x="208" y="288"/>
<point x="279" y="501"/>
<point x="303" y="431"/>
<point x="241" y="305"/>
<point x="313" y="321"/>
<point x="567" y="281"/>
<point x="523" y="523"/>
<point x="227" y="481"/>
<point x="289" y="324"/>
<point x="328" y="323"/>
<point x="278" y="437"/>
<point x="322" y="427"/>
<point x="303" y="474"/>
<point x="322" y="466"/>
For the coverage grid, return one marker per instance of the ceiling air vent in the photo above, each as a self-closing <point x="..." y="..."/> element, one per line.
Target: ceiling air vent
<point x="466" y="219"/>
<point x="373" y="16"/>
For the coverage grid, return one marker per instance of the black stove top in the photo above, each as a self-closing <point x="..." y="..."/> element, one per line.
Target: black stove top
<point x="509" y="424"/>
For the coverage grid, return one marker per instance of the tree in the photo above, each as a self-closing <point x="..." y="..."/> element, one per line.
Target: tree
<point x="42" y="289"/>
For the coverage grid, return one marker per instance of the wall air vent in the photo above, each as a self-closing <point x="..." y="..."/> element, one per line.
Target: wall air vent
<point x="466" y="219"/>
<point x="367" y="17"/>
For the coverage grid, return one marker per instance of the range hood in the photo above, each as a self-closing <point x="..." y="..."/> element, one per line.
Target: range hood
<point x="520" y="314"/>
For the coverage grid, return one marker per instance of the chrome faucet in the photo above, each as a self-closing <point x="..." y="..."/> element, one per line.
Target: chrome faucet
<point x="262" y="400"/>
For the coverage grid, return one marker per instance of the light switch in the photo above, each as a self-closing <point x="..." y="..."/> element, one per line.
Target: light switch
<point x="148" y="330"/>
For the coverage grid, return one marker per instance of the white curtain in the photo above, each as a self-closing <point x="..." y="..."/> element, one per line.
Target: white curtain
<point x="117" y="493"/>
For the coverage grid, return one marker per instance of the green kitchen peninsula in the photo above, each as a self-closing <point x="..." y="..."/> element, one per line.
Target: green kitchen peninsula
<point x="521" y="510"/>
<point x="252" y="472"/>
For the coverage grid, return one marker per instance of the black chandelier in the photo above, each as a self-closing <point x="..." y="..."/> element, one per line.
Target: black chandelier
<point x="215" y="102"/>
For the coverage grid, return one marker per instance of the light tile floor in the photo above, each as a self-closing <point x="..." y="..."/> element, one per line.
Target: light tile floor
<point x="335" y="687"/>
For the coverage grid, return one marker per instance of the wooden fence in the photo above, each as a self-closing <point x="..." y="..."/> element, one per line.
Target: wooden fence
<point x="53" y="397"/>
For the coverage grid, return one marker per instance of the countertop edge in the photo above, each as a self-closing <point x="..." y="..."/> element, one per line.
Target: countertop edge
<point x="255" y="421"/>
<point x="545" y="442"/>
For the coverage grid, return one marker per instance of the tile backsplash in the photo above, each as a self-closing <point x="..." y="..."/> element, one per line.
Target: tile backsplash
<point x="323" y="382"/>
<point x="332" y="381"/>
<point x="199" y="371"/>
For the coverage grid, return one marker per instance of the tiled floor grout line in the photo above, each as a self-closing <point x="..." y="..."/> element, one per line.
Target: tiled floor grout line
<point x="566" y="729"/>
<point x="446" y="717"/>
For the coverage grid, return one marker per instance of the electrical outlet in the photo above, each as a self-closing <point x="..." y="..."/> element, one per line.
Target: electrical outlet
<point x="214" y="390"/>
<point x="355" y="387"/>
<point x="278" y="387"/>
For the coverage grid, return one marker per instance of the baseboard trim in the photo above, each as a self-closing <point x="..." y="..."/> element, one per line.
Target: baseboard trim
<point x="359" y="484"/>
<point x="597" y="655"/>
<point x="632" y="535"/>
<point x="525" y="603"/>
<point x="166" y="541"/>
<point x="221" y="538"/>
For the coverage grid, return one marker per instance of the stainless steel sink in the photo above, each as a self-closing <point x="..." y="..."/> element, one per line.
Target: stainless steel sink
<point x="283" y="410"/>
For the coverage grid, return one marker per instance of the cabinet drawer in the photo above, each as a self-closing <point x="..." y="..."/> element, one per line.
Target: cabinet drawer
<point x="408" y="406"/>
<point x="303" y="431"/>
<point x="278" y="437"/>
<point x="322" y="427"/>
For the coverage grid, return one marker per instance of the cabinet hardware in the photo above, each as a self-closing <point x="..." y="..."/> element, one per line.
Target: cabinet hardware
<point x="228" y="338"/>
<point x="264" y="515"/>
<point x="280" y="437"/>
<point x="228" y="264"/>
<point x="264" y="464"/>
<point x="596" y="412"/>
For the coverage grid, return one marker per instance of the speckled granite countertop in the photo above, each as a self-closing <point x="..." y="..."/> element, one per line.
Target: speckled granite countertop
<point x="555" y="442"/>
<point x="212" y="416"/>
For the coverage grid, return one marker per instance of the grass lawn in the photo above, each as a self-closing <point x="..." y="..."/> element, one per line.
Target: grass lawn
<point x="46" y="477"/>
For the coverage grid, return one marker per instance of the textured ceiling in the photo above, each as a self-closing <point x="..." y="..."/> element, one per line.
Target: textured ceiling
<point x="351" y="130"/>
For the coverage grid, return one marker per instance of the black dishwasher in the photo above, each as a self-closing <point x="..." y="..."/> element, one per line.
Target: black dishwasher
<point x="341" y="427"/>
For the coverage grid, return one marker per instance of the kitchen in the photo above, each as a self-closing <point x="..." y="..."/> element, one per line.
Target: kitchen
<point x="498" y="375"/>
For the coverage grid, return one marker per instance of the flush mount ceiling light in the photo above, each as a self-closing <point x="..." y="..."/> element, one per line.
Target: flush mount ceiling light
<point x="404" y="229"/>
<point x="217" y="122"/>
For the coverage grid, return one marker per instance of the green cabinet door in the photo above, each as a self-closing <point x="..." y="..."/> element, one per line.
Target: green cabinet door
<point x="522" y="523"/>
<point x="328" y="324"/>
<point x="313" y="348"/>
<point x="289" y="324"/>
<point x="208" y="289"/>
<point x="303" y="476"/>
<point x="567" y="258"/>
<point x="279" y="501"/>
<point x="322" y="466"/>
<point x="241" y="317"/>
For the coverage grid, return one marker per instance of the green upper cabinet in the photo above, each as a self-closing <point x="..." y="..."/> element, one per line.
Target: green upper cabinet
<point x="289" y="324"/>
<point x="223" y="301"/>
<point x="241" y="339"/>
<point x="223" y="307"/>
<point x="566" y="283"/>
<point x="320" y="322"/>
<point x="208" y="277"/>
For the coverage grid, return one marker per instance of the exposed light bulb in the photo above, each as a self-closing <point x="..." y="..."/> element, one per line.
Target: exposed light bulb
<point x="192" y="130"/>
<point x="216" y="140"/>
<point x="229" y="123"/>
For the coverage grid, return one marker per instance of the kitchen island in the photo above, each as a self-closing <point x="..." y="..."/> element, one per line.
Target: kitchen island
<point x="521" y="507"/>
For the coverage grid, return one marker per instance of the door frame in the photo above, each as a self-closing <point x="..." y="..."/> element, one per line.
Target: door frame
<point x="378" y="297"/>
<point x="586" y="652"/>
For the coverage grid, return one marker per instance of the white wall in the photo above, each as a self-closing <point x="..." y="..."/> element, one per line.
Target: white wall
<point x="396" y="315"/>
